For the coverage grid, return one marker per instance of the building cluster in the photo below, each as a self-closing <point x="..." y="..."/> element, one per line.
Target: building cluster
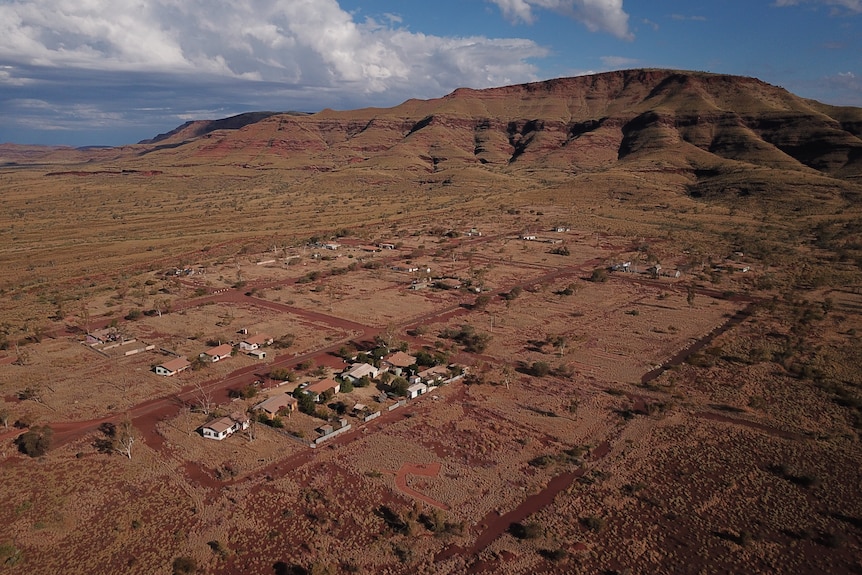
<point x="251" y="345"/>
<point x="399" y="363"/>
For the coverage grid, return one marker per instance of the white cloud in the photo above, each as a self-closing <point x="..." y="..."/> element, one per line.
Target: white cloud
<point x="854" y="6"/>
<point x="295" y="42"/>
<point x="596" y="15"/>
<point x="618" y="61"/>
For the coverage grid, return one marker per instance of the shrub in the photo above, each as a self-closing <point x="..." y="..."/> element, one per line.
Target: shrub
<point x="540" y="369"/>
<point x="599" y="275"/>
<point x="184" y="566"/>
<point x="525" y="530"/>
<point x="36" y="441"/>
<point x="593" y="523"/>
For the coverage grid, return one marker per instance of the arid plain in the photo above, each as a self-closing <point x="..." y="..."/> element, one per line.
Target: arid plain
<point x="644" y="289"/>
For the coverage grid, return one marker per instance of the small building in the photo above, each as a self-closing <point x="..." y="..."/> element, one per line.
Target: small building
<point x="222" y="427"/>
<point x="416" y="390"/>
<point x="257" y="353"/>
<point x="277" y="404"/>
<point x="561" y="229"/>
<point x="316" y="390"/>
<point x="387" y="246"/>
<point x="331" y="246"/>
<point x="172" y="367"/>
<point x="359" y="370"/>
<point x="255" y="342"/>
<point x="528" y="237"/>
<point x="217" y="353"/>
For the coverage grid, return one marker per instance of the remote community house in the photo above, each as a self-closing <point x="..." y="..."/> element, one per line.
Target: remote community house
<point x="277" y="404"/>
<point x="397" y="362"/>
<point x="359" y="370"/>
<point x="255" y="342"/>
<point x="217" y="353"/>
<point x="172" y="367"/>
<point x="222" y="427"/>
<point x="416" y="390"/>
<point x="317" y="390"/>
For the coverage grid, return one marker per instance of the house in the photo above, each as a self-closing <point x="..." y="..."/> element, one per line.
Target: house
<point x="397" y="362"/>
<point x="528" y="237"/>
<point x="254" y="342"/>
<point x="316" y="390"/>
<point x="387" y="246"/>
<point x="416" y="390"/>
<point x="359" y="370"/>
<point x="222" y="427"/>
<point x="433" y="375"/>
<point x="277" y="404"/>
<point x="561" y="229"/>
<point x="217" y="353"/>
<point x="331" y="246"/>
<point x="257" y="353"/>
<point x="173" y="366"/>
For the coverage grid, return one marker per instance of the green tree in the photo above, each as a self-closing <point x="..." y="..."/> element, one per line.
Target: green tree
<point x="399" y="385"/>
<point x="305" y="402"/>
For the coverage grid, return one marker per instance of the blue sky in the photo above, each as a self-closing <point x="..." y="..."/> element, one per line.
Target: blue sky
<point x="112" y="72"/>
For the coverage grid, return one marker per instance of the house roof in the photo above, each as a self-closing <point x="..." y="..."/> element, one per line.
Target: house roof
<point x="176" y="364"/>
<point x="400" y="359"/>
<point x="220" y="425"/>
<point x="220" y="350"/>
<point x="322" y="386"/>
<point x="258" y="339"/>
<point x="417" y="387"/>
<point x="276" y="402"/>
<point x="358" y="370"/>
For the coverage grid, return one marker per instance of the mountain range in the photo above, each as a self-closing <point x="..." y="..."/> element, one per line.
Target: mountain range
<point x="704" y="128"/>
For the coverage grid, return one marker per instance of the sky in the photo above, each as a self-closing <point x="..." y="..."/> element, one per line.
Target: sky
<point x="113" y="72"/>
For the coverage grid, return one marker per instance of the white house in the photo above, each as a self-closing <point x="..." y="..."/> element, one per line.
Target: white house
<point x="416" y="390"/>
<point x="173" y="366"/>
<point x="222" y="427"/>
<point x="254" y="342"/>
<point x="217" y="353"/>
<point x="257" y="353"/>
<point x="359" y="370"/>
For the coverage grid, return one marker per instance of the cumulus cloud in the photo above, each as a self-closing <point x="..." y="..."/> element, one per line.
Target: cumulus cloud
<point x="596" y="15"/>
<point x="293" y="41"/>
<point x="219" y="57"/>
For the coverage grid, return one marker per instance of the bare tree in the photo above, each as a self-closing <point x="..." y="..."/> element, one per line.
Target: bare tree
<point x="203" y="399"/>
<point x="251" y="432"/>
<point x="125" y="437"/>
<point x="508" y="374"/>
